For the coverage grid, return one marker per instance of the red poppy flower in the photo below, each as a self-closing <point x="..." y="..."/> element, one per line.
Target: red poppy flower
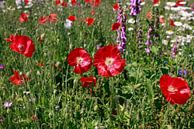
<point x="80" y="59"/>
<point x="72" y="18"/>
<point x="26" y="2"/>
<point x="89" y="21"/>
<point x="93" y="12"/>
<point x="64" y="4"/>
<point x="171" y="22"/>
<point x="43" y="19"/>
<point x="87" y="1"/>
<point x="73" y="2"/>
<point x="96" y="3"/>
<point x="87" y="82"/>
<point x="53" y="17"/>
<point x="108" y="61"/>
<point x="149" y="15"/>
<point x="10" y="39"/>
<point x="57" y="2"/>
<point x="23" y="45"/>
<point x="156" y="2"/>
<point x="175" y="90"/>
<point x="24" y="17"/>
<point x="180" y="3"/>
<point x="18" y="79"/>
<point x="93" y="3"/>
<point x="116" y="7"/>
<point x="162" y="20"/>
<point x="116" y="26"/>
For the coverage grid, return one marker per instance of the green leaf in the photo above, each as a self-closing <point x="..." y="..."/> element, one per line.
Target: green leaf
<point x="154" y="49"/>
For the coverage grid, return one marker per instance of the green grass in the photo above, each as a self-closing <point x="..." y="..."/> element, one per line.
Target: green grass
<point x="130" y="100"/>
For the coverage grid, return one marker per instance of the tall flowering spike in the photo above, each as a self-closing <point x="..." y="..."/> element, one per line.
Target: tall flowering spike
<point x="148" y="42"/>
<point x="2" y="66"/>
<point x="139" y="36"/>
<point x="174" y="49"/>
<point x="121" y="33"/>
<point x="135" y="6"/>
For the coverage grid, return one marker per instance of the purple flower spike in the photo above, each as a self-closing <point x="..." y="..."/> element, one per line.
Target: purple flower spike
<point x="7" y="104"/>
<point x="135" y="6"/>
<point x="2" y="66"/>
<point x="121" y="33"/>
<point x="147" y="50"/>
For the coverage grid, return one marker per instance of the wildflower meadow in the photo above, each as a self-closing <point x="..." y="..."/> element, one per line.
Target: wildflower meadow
<point x="96" y="64"/>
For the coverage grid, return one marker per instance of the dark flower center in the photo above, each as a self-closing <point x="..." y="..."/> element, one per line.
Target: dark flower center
<point x="21" y="48"/>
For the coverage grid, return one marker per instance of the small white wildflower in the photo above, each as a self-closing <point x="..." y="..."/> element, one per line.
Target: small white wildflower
<point x="187" y="27"/>
<point x="189" y="38"/>
<point x="131" y="21"/>
<point x="142" y="3"/>
<point x="167" y="8"/>
<point x="128" y="3"/>
<point x="182" y="43"/>
<point x="57" y="64"/>
<point x="173" y="41"/>
<point x="185" y="14"/>
<point x="183" y="2"/>
<point x="168" y="37"/>
<point x="175" y="9"/>
<point x="26" y="92"/>
<point x="130" y="29"/>
<point x="38" y="73"/>
<point x="169" y="32"/>
<point x="178" y="23"/>
<point x="183" y="18"/>
<point x="170" y="4"/>
<point x="68" y="24"/>
<point x="165" y="42"/>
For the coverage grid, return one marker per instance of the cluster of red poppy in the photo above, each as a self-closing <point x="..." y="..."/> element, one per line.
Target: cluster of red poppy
<point x="107" y="60"/>
<point x="23" y="45"/>
<point x="93" y="3"/>
<point x="88" y="20"/>
<point x="52" y="18"/>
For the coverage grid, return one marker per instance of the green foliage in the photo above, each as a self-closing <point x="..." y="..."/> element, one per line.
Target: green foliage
<point x="131" y="100"/>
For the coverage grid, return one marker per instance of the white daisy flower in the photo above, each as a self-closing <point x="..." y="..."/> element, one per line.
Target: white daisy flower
<point x="68" y="24"/>
<point x="169" y="32"/>
<point x="170" y="4"/>
<point x="130" y="29"/>
<point x="131" y="21"/>
<point x="178" y="23"/>
<point x="165" y="42"/>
